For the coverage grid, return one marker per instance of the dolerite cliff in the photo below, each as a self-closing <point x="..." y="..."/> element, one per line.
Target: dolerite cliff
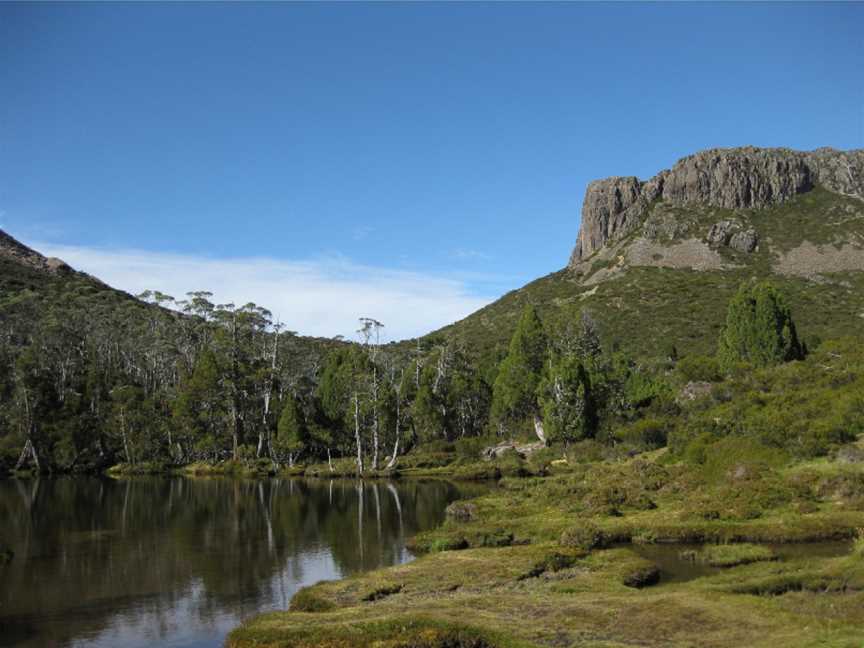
<point x="657" y="261"/>
<point x="745" y="178"/>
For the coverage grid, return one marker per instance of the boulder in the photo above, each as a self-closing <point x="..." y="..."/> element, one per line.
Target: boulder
<point x="524" y="450"/>
<point x="745" y="241"/>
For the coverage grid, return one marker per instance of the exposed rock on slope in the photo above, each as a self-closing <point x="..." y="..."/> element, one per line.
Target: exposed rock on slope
<point x="16" y="251"/>
<point x="657" y="261"/>
<point x="808" y="260"/>
<point x="739" y="178"/>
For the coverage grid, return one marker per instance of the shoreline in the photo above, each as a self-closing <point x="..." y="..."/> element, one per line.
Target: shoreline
<point x="556" y="560"/>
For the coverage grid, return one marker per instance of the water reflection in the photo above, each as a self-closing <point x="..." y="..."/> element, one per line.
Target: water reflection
<point x="677" y="565"/>
<point x="178" y="562"/>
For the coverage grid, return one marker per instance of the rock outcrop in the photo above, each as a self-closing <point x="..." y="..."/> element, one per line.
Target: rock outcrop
<point x="737" y="178"/>
<point x="14" y="250"/>
<point x="731" y="233"/>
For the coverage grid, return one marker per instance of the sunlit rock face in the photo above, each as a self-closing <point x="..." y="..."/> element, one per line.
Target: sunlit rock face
<point x="737" y="178"/>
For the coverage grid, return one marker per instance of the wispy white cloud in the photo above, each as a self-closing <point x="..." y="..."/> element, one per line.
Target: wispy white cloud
<point x="465" y="253"/>
<point x="316" y="297"/>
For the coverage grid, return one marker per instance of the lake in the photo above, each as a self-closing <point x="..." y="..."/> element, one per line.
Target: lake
<point x="175" y="561"/>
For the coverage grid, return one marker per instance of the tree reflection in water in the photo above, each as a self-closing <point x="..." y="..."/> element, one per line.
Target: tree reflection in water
<point x="178" y="562"/>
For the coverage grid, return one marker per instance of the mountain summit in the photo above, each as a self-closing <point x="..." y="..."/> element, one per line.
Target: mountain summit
<point x="656" y="261"/>
<point x="731" y="179"/>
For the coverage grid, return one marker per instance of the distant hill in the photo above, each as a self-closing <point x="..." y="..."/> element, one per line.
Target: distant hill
<point x="656" y="261"/>
<point x="34" y="287"/>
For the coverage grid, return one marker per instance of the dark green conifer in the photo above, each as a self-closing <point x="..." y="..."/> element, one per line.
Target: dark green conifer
<point x="759" y="329"/>
<point x="515" y="389"/>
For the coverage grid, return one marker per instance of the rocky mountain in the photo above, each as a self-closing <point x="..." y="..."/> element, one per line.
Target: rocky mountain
<point x="656" y="260"/>
<point x="733" y="179"/>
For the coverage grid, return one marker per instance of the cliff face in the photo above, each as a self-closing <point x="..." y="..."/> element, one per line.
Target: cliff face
<point x="738" y="178"/>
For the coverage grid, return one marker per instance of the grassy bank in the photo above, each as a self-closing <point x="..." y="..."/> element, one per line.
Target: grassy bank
<point x="423" y="462"/>
<point x="549" y="561"/>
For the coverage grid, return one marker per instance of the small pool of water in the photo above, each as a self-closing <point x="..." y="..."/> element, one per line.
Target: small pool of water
<point x="676" y="567"/>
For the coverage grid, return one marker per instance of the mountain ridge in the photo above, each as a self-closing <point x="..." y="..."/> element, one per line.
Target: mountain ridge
<point x="657" y="273"/>
<point x="725" y="214"/>
<point x="732" y="178"/>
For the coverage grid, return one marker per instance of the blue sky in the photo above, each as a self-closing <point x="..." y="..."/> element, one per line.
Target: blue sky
<point x="396" y="151"/>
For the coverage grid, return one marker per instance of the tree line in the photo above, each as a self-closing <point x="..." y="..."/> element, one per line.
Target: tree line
<point x="205" y="382"/>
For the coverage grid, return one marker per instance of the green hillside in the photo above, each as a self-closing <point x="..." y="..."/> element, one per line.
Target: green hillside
<point x="646" y="310"/>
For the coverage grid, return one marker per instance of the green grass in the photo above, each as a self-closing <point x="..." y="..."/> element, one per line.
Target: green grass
<point x="732" y="555"/>
<point x="543" y="561"/>
<point x="604" y="598"/>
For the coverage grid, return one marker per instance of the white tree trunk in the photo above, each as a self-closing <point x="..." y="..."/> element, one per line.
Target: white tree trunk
<point x="357" y="434"/>
<point x="538" y="429"/>
<point x="375" y="419"/>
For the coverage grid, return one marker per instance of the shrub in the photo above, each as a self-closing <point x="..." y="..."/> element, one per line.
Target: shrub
<point x="553" y="562"/>
<point x="540" y="461"/>
<point x="479" y="471"/>
<point x="307" y="600"/>
<point x="510" y="464"/>
<point x="461" y="511"/>
<point x="491" y="538"/>
<point x="699" y="369"/>
<point x="583" y="535"/>
<point x="585" y="451"/>
<point x="650" y="432"/>
<point x="470" y="447"/>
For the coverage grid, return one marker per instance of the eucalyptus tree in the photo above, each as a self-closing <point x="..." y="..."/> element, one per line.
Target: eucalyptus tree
<point x="398" y="398"/>
<point x="30" y="395"/>
<point x="370" y="331"/>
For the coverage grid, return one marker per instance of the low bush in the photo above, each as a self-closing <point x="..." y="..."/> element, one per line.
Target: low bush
<point x="583" y="535"/>
<point x="461" y="511"/>
<point x="478" y="471"/>
<point x="646" y="433"/>
<point x="699" y="369"/>
<point x="470" y="447"/>
<point x="552" y="562"/>
<point x="307" y="600"/>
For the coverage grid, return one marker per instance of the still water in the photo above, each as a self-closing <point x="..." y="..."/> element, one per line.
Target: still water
<point x="179" y="562"/>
